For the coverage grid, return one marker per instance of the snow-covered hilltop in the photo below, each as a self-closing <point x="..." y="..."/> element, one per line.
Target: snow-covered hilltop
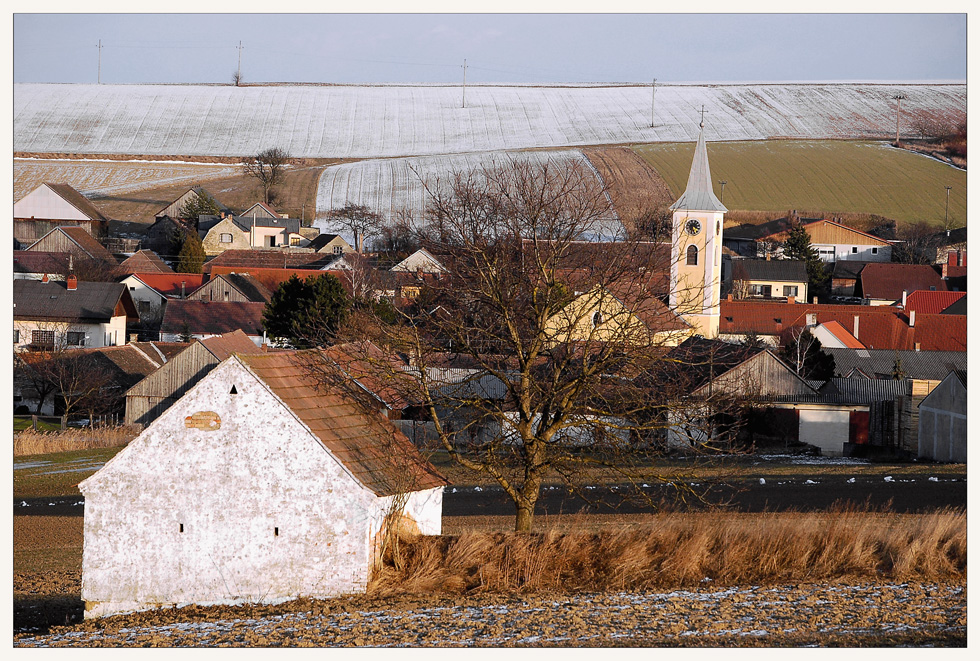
<point x="385" y="121"/>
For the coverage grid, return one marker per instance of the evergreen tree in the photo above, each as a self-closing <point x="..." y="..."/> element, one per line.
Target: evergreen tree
<point x="201" y="204"/>
<point x="190" y="259"/>
<point x="306" y="313"/>
<point x="798" y="247"/>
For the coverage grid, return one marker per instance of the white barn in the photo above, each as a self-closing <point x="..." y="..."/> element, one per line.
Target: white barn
<point x="255" y="487"/>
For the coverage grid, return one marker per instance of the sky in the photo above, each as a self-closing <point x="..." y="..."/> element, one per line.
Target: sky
<point x="497" y="48"/>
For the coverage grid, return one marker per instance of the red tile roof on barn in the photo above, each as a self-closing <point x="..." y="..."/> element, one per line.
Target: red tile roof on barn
<point x="26" y="261"/>
<point x="886" y="282"/>
<point x="87" y="243"/>
<point x="171" y="284"/>
<point x="272" y="278"/>
<point x="144" y="261"/>
<point x="931" y="302"/>
<point x="207" y="318"/>
<point x="378" y="455"/>
<point x="246" y="260"/>
<point x="223" y="346"/>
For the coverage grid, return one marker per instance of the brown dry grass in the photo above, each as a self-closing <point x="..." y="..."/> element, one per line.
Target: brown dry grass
<point x="634" y="186"/>
<point x="31" y="442"/>
<point x="683" y="550"/>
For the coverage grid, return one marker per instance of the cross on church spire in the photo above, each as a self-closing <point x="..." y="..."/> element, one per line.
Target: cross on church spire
<point x="703" y="111"/>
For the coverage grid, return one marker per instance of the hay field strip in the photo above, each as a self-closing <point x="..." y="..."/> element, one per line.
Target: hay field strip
<point x="833" y="176"/>
<point x="101" y="178"/>
<point x="389" y="121"/>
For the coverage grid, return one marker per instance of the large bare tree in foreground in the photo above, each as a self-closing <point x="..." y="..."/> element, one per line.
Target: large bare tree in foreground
<point x="534" y="358"/>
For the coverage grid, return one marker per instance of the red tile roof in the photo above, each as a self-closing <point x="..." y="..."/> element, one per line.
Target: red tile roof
<point x="843" y="335"/>
<point x="939" y="332"/>
<point x="223" y="346"/>
<point x="246" y="260"/>
<point x="144" y="261"/>
<point x="36" y="261"/>
<point x="272" y="278"/>
<point x="931" y="302"/>
<point x="87" y="244"/>
<point x="379" y="456"/>
<point x="378" y="373"/>
<point x="886" y="281"/>
<point x="169" y="284"/>
<point x="207" y="318"/>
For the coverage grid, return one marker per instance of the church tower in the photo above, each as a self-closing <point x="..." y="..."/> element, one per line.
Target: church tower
<point x="695" y="264"/>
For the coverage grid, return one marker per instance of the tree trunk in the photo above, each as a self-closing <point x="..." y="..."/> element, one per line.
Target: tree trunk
<point x="525" y="517"/>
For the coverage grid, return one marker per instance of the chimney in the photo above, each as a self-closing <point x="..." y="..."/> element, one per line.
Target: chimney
<point x="134" y="337"/>
<point x="918" y="346"/>
<point x="857" y="322"/>
<point x="905" y="295"/>
<point x="814" y="300"/>
<point x="767" y="256"/>
<point x="779" y="327"/>
<point x="730" y="298"/>
<point x="811" y="319"/>
<point x="183" y="287"/>
<point x="72" y="282"/>
<point x="791" y="300"/>
<point x="912" y="319"/>
<point x="44" y="278"/>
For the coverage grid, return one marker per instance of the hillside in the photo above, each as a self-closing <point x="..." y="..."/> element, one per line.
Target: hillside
<point x="386" y="121"/>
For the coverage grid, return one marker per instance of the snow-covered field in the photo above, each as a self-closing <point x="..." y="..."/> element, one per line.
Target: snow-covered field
<point x="386" y="121"/>
<point x="815" y="613"/>
<point x="110" y="177"/>
<point x="394" y="185"/>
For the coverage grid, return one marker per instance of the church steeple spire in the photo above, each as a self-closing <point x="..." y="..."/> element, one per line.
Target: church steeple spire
<point x="698" y="196"/>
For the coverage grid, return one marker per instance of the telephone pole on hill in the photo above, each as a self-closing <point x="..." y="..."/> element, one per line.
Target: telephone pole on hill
<point x="238" y="77"/>
<point x="898" y="117"/>
<point x="464" y="82"/>
<point x="99" y="46"/>
<point x="653" y="100"/>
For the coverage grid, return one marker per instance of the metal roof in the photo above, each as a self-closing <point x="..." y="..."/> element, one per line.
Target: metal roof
<point x="53" y="301"/>
<point x="776" y="270"/>
<point x="698" y="196"/>
<point x="931" y="365"/>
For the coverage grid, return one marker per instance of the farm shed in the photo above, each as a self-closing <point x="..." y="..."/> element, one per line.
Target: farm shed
<point x="202" y="319"/>
<point x="172" y="210"/>
<point x="74" y="241"/>
<point x="255" y="487"/>
<point x="942" y="420"/>
<point x="53" y="205"/>
<point x="146" y="400"/>
<point x="236" y="287"/>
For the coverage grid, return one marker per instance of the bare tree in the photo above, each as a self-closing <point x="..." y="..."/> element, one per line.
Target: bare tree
<point x="917" y="243"/>
<point x="359" y="220"/>
<point x="268" y="167"/>
<point x="529" y="355"/>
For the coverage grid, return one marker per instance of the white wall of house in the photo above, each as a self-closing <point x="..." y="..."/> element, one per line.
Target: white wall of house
<point x="96" y="335"/>
<point x="830" y="252"/>
<point x="267" y="237"/>
<point x="826" y="428"/>
<point x="184" y="515"/>
<point x="827" y="339"/>
<point x="144" y="296"/>
<point x="44" y="203"/>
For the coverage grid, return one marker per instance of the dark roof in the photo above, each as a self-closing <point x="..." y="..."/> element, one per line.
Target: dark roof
<point x="77" y="200"/>
<point x="697" y="360"/>
<point x="379" y="456"/>
<point x="955" y="237"/>
<point x="161" y="352"/>
<point x="759" y="231"/>
<point x="886" y="281"/>
<point x="291" y="225"/>
<point x="321" y="240"/>
<point x="958" y="307"/>
<point x="270" y="259"/>
<point x="778" y="270"/>
<point x="36" y="261"/>
<point x="847" y="269"/>
<point x="864" y="391"/>
<point x="93" y="302"/>
<point x="878" y="363"/>
<point x="212" y="318"/>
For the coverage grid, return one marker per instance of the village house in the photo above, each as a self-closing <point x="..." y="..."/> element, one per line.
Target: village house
<point x="183" y="515"/>
<point x="889" y="284"/>
<point x="150" y="397"/>
<point x="769" y="278"/>
<point x="50" y="315"/>
<point x="151" y="291"/>
<point x="240" y="287"/>
<point x="833" y="241"/>
<point x="201" y="319"/>
<point x="257" y="227"/>
<point x="55" y="205"/>
<point x="332" y="244"/>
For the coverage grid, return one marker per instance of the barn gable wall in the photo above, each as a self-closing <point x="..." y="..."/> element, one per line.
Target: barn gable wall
<point x="189" y="511"/>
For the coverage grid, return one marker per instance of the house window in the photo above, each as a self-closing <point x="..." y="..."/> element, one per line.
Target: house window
<point x="338" y="250"/>
<point x="294" y="240"/>
<point x="874" y="251"/>
<point x="760" y="290"/>
<point x="854" y="250"/>
<point x="224" y="238"/>
<point x="692" y="255"/>
<point x="76" y="339"/>
<point x="42" y="340"/>
<point x="596" y="318"/>
<point x="791" y="290"/>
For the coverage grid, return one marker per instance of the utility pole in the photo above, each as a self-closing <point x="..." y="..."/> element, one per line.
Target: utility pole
<point x="653" y="100"/>
<point x="100" y="61"/>
<point x="464" y="82"/>
<point x="898" y="117"/>
<point x="946" y="221"/>
<point x="238" y="78"/>
<point x="723" y="182"/>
